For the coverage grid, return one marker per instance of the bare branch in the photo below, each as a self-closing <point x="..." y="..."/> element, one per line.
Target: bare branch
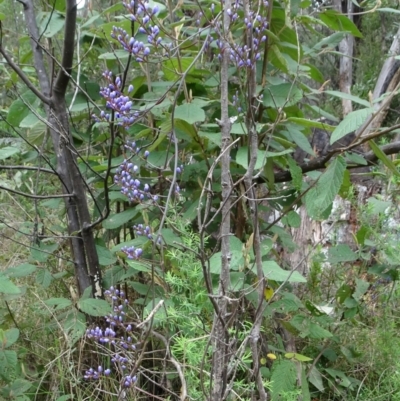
<point x="60" y="86"/>
<point x="23" y="77"/>
<point x="35" y="196"/>
<point x="43" y="170"/>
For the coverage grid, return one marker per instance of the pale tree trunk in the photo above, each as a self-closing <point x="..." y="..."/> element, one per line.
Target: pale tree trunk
<point x="346" y="60"/>
<point x="388" y="81"/>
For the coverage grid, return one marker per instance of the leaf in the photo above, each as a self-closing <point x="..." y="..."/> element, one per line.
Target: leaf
<point x="283" y="379"/>
<point x="341" y="253"/>
<point x="7" y="286"/>
<point x="350" y="123"/>
<point x="320" y="197"/>
<point x="339" y="22"/>
<point x="117" y="220"/>
<point x="296" y="136"/>
<point x="361" y="288"/>
<point x="10" y="337"/>
<point x="17" y="388"/>
<point x="315" y="379"/>
<point x="328" y="42"/>
<point x="75" y="325"/>
<point x="344" y="292"/>
<point x="305" y="122"/>
<point x="237" y="261"/>
<point x="347" y="96"/>
<point x="8" y="151"/>
<point x="173" y="68"/>
<point x="383" y="158"/>
<point x="8" y="360"/>
<point x="378" y="206"/>
<point x="51" y="24"/>
<point x="283" y="95"/>
<point x="305" y="390"/>
<point x="296" y="173"/>
<point x="44" y="278"/>
<point x="317" y="332"/>
<point x="58" y="303"/>
<point x="106" y="258"/>
<point x="273" y="271"/>
<point x="298" y="357"/>
<point x="22" y="270"/>
<point x="190" y="112"/>
<point x="94" y="307"/>
<point x="18" y="110"/>
<point x="242" y="158"/>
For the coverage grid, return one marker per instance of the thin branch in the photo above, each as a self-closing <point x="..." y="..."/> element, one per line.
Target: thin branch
<point x="24" y="78"/>
<point x="60" y="86"/>
<point x="35" y="196"/>
<point x="43" y="170"/>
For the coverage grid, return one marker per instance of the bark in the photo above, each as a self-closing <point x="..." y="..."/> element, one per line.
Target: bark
<point x="346" y="58"/>
<point x="87" y="268"/>
<point x="219" y="334"/>
<point x="388" y="80"/>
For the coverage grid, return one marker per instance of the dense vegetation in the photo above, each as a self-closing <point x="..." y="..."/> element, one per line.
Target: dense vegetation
<point x="190" y="207"/>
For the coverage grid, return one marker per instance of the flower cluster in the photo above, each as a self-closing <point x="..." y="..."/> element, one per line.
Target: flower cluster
<point x="117" y="101"/>
<point x="236" y="102"/>
<point x="140" y="229"/>
<point x="121" y="348"/>
<point x="143" y="14"/>
<point x="131" y="45"/>
<point x="126" y="177"/>
<point x="132" y="252"/>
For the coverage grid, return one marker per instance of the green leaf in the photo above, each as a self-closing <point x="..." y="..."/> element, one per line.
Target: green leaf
<point x="361" y="288"/>
<point x="106" y="258"/>
<point x="339" y="22"/>
<point x="17" y="388"/>
<point x="57" y="303"/>
<point x="44" y="278"/>
<point x="296" y="173"/>
<point x="292" y="219"/>
<point x="10" y="337"/>
<point x="190" y="112"/>
<point x="347" y="96"/>
<point x="305" y="390"/>
<point x="283" y="95"/>
<point x="343" y="293"/>
<point x="317" y="332"/>
<point x="297" y="357"/>
<point x="173" y="68"/>
<point x="328" y="42"/>
<point x="350" y="123"/>
<point x="273" y="271"/>
<point x="237" y="260"/>
<point x="304" y="122"/>
<point x="283" y="378"/>
<point x="242" y="158"/>
<point x="315" y="379"/>
<point x="94" y="307"/>
<point x="2" y="17"/>
<point x="319" y="198"/>
<point x="75" y="326"/>
<point x="378" y="206"/>
<point x="8" y="360"/>
<point x="22" y="270"/>
<point x="298" y="138"/>
<point x="117" y="220"/>
<point x="383" y="158"/>
<point x="341" y="253"/>
<point x="7" y="286"/>
<point x="51" y="24"/>
<point x="18" y="110"/>
<point x="8" y="151"/>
